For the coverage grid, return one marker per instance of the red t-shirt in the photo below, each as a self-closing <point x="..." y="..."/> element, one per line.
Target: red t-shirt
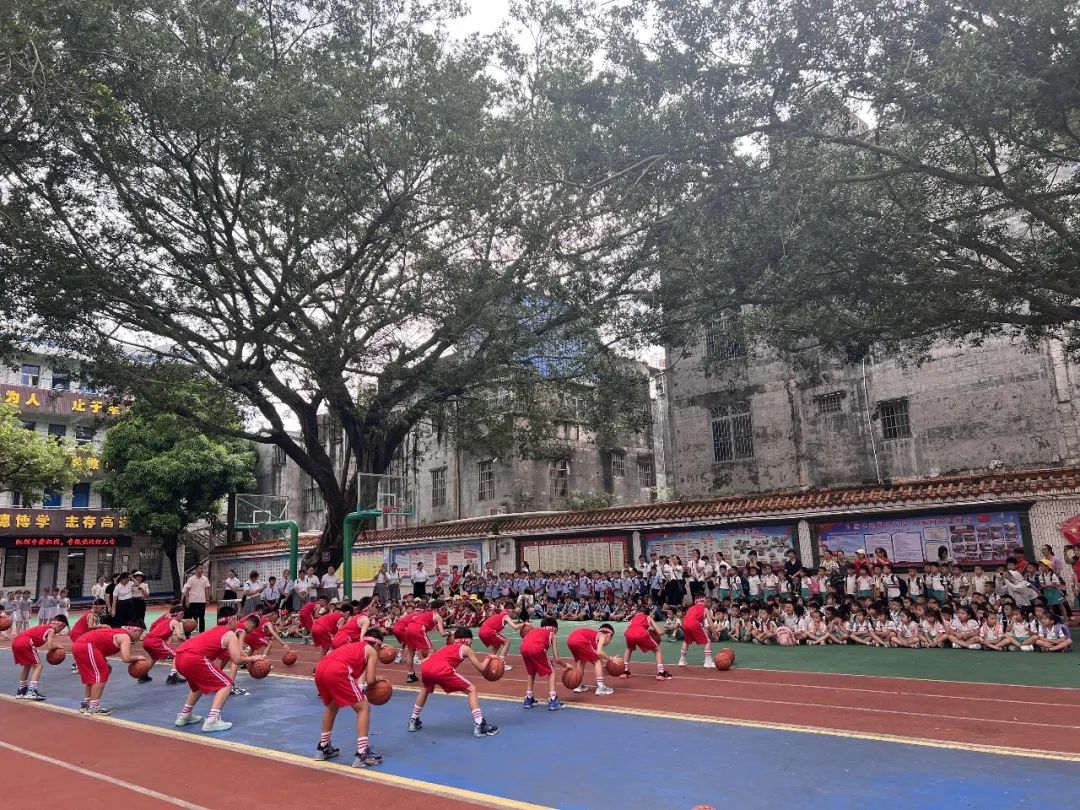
<point x="353" y="656"/>
<point x="103" y="639"/>
<point x="208" y="644"/>
<point x="161" y="629"/>
<point x="424" y="620"/>
<point x="256" y="636"/>
<point x="639" y="622"/>
<point x="582" y="637"/>
<point x="307" y="614"/>
<point x="444" y="660"/>
<point x="538" y="640"/>
<point x="496" y="623"/>
<point x="328" y="623"/>
<point x="695" y="613"/>
<point x="81" y="626"/>
<point x="351" y="628"/>
<point x="36" y="635"/>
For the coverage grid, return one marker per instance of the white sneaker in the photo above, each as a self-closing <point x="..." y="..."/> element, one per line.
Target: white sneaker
<point x="605" y="690"/>
<point x="397" y="660"/>
<point x="709" y="662"/>
<point x="216" y="725"/>
<point x="975" y="647"/>
<point x="187" y="719"/>
<point x="506" y="667"/>
<point x="1027" y="647"/>
<point x="582" y="688"/>
<point x="682" y="662"/>
<point x="416" y="660"/>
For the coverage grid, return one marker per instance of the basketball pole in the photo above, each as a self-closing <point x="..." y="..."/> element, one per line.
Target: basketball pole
<point x="347" y="536"/>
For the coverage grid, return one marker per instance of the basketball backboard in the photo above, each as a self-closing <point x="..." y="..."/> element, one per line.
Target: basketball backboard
<point x="253" y="509"/>
<point x="387" y="494"/>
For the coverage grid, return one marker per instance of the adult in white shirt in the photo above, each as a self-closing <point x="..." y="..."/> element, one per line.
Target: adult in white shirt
<point x="193" y="597"/>
<point x="231" y="586"/>
<point x="328" y="585"/>
<point x="140" y="592"/>
<point x="382" y="590"/>
<point x="271" y="594"/>
<point x="98" y="590"/>
<point x="393" y="583"/>
<point x="287" y="589"/>
<point x="419" y="579"/>
<point x="253" y="589"/>
<point x="121" y="600"/>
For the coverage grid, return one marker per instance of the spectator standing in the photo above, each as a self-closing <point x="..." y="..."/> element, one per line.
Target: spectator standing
<point x="140" y="592"/>
<point x="253" y="589"/>
<point x="328" y="585"/>
<point x="393" y="583"/>
<point x="419" y="579"/>
<point x="194" y="595"/>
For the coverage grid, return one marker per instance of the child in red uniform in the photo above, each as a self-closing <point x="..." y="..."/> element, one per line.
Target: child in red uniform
<point x="491" y="632"/>
<point x="355" y="627"/>
<point x="694" y="632"/>
<point x="587" y="647"/>
<point x="309" y="613"/>
<point x="157" y="640"/>
<point x="93" y="618"/>
<point x="640" y="636"/>
<point x="400" y="628"/>
<point x="440" y="670"/>
<point x="24" y="649"/>
<point x="256" y="631"/>
<point x="91" y="653"/>
<point x="416" y="638"/>
<point x="534" y="651"/>
<point x="340" y="679"/>
<point x="195" y="661"/>
<point x="324" y="628"/>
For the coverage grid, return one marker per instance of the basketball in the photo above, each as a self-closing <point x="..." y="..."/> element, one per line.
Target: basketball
<point x="728" y="652"/>
<point x="387" y="654"/>
<point x="56" y="655"/>
<point x="139" y="669"/>
<point x="259" y="668"/>
<point x="525" y="629"/>
<point x="379" y="692"/>
<point x="571" y="677"/>
<point x="723" y="663"/>
<point x="289" y="658"/>
<point x="5" y="622"/>
<point x="190" y="625"/>
<point x="494" y="668"/>
<point x="615" y="666"/>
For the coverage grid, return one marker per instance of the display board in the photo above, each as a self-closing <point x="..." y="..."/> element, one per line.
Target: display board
<point x="574" y="554"/>
<point x="443" y="556"/>
<point x="365" y="565"/>
<point x="734" y="542"/>
<point x="981" y="538"/>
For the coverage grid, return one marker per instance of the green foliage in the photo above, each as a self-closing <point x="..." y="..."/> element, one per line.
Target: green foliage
<point x="30" y="462"/>
<point x="585" y="501"/>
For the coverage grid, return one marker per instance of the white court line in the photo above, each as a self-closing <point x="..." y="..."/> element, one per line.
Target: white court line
<point x="112" y="780"/>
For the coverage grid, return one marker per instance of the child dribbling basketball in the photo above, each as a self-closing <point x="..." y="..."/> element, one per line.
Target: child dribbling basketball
<point x="440" y="670"/>
<point x="535" y="649"/>
<point x="587" y="647"/>
<point x="340" y="679"/>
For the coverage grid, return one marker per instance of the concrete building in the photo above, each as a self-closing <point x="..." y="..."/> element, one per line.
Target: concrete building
<point x="745" y="419"/>
<point x="67" y="537"/>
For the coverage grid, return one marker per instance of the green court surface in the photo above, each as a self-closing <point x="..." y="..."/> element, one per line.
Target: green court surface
<point x="1016" y="668"/>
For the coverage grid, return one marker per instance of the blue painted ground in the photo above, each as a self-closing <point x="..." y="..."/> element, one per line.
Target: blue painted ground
<point x="589" y="760"/>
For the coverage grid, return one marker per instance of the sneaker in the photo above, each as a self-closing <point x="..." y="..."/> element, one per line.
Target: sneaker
<point x="581" y="688"/>
<point x="216" y="725"/>
<point x="682" y="662"/>
<point x="507" y="667"/>
<point x="74" y="668"/>
<point x="19" y="695"/>
<point x="1027" y="647"/>
<point x="325" y="752"/>
<point x="144" y="679"/>
<point x="33" y="694"/>
<point x="554" y="704"/>
<point x="84" y="706"/>
<point x="415" y="724"/>
<point x="236" y="690"/>
<point x="397" y="659"/>
<point x="104" y="711"/>
<point x="484" y="729"/>
<point x="366" y="759"/>
<point x="416" y="660"/>
<point x="411" y="678"/>
<point x="187" y="720"/>
<point x="975" y="647"/>
<point x="529" y="703"/>
<point x="605" y="690"/>
<point x="709" y="663"/>
<point x="663" y="676"/>
<point x="175" y="678"/>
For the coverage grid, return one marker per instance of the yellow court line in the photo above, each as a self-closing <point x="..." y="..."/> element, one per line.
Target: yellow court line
<point x="446" y="791"/>
<point x="1000" y="750"/>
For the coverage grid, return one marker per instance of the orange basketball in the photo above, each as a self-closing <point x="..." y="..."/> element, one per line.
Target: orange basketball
<point x="494" y="668"/>
<point x="571" y="677"/>
<point x="189" y="625"/>
<point x="288" y="658"/>
<point x="615" y="666"/>
<point x="139" y="669"/>
<point x="525" y="629"/>
<point x="728" y="652"/>
<point x="387" y="654"/>
<point x="5" y="622"/>
<point x="379" y="692"/>
<point x="723" y="663"/>
<point x="56" y="655"/>
<point x="259" y="668"/>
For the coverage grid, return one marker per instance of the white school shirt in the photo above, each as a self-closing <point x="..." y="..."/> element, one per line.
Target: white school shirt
<point x="979" y="583"/>
<point x="232" y="584"/>
<point x="849" y="584"/>
<point x="754" y="583"/>
<point x="770" y="581"/>
<point x="865" y="583"/>
<point x="891" y="584"/>
<point x="990" y="633"/>
<point x="1054" y="633"/>
<point x="914" y="587"/>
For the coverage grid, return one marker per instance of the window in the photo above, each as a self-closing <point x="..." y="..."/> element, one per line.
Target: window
<point x="438" y="488"/>
<point x="106" y="563"/>
<point x="150" y="562"/>
<point x="570" y="431"/>
<point x="14" y="567"/>
<point x="646" y="473"/>
<point x="16" y="498"/>
<point x="829" y="403"/>
<point x="732" y="432"/>
<point x="31" y="426"/>
<point x="618" y="465"/>
<point x="58" y="431"/>
<point x="577" y="407"/>
<point x="275" y="479"/>
<point x="722" y="340"/>
<point x="559" y="479"/>
<point x="52" y="499"/>
<point x="61" y="379"/>
<point x="895" y="423"/>
<point x="313" y="499"/>
<point x="80" y="496"/>
<point x="486" y="474"/>
<point x="31" y="375"/>
<point x="83" y="435"/>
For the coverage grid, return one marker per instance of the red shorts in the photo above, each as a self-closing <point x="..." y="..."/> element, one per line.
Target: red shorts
<point x="694" y="633"/>
<point x="202" y="674"/>
<point x="320" y="638"/>
<point x="340" y="639"/>
<point x="335" y="685"/>
<point x="93" y="667"/>
<point x="399" y="635"/>
<point x="25" y="653"/>
<point x="416" y="639"/>
<point x="537" y="663"/>
<point x="640" y="640"/>
<point x="492" y="640"/>
<point x="583" y="652"/>
<point x="157" y="649"/>
<point x="447" y="681"/>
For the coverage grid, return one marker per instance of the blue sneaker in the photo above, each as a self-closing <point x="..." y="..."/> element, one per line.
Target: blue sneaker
<point x="554" y="704"/>
<point x="529" y="703"/>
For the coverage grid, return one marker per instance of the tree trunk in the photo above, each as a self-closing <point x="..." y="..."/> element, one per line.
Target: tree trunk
<point x="330" y="543"/>
<point x="169" y="546"/>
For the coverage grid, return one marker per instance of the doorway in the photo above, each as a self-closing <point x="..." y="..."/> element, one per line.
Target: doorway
<point x="48" y="563"/>
<point x="76" y="572"/>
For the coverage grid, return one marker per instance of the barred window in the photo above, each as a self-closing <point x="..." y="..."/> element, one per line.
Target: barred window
<point x="646" y="473"/>
<point x="438" y="487"/>
<point x="559" y="479"/>
<point x="829" y="403"/>
<point x="895" y="423"/>
<point x="313" y="499"/>
<point x="618" y="465"/>
<point x="732" y="431"/>
<point x="486" y="474"/>
<point x="722" y="339"/>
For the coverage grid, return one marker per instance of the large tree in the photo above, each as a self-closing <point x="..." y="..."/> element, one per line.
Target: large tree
<point x="333" y="207"/>
<point x="167" y="475"/>
<point x="30" y="462"/>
